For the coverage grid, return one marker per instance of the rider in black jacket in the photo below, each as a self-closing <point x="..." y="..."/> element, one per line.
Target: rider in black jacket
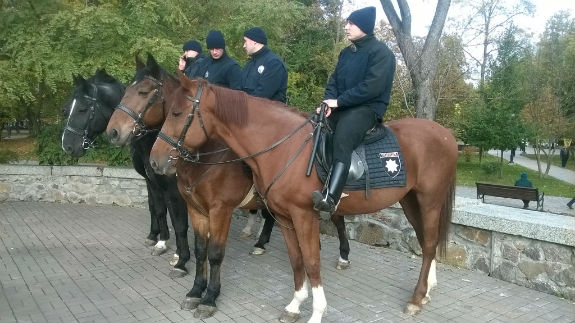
<point x="357" y="95"/>
<point x="192" y="59"/>
<point x="219" y="68"/>
<point x="265" y="74"/>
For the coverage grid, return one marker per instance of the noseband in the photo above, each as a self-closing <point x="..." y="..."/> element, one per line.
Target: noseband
<point x="86" y="141"/>
<point x="139" y="126"/>
<point x="179" y="145"/>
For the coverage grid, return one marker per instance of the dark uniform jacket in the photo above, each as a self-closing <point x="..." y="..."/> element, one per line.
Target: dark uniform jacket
<point x="363" y="76"/>
<point x="193" y="66"/>
<point x="265" y="75"/>
<point x="223" y="72"/>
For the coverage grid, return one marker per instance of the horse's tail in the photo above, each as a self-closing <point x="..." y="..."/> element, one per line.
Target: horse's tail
<point x="445" y="218"/>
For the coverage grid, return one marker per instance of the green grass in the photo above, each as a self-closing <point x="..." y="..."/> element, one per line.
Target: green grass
<point x="470" y="172"/>
<point x="556" y="161"/>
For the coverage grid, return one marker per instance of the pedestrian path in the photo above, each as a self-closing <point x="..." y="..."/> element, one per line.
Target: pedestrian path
<point x="560" y="173"/>
<point x="78" y="263"/>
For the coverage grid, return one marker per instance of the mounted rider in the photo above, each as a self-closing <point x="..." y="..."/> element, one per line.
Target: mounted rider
<point x="357" y="95"/>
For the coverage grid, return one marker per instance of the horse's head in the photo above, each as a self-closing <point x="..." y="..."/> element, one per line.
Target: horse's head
<point x="88" y="110"/>
<point x="143" y="106"/>
<point x="185" y="128"/>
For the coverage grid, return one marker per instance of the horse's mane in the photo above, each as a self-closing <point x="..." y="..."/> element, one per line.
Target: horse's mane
<point x="231" y="105"/>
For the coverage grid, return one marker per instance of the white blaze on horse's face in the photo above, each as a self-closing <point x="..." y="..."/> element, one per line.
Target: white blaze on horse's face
<point x="69" y="115"/>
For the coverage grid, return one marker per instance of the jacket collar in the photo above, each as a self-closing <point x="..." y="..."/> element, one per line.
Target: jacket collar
<point x="260" y="52"/>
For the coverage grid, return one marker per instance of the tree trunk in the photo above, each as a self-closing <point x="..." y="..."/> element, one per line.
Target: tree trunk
<point x="422" y="65"/>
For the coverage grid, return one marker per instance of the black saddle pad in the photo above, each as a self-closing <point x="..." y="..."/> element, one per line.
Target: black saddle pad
<point x="385" y="164"/>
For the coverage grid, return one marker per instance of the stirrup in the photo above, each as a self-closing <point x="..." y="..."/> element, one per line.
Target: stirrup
<point x="323" y="203"/>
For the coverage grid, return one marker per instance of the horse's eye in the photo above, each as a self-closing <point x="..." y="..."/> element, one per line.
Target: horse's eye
<point x="143" y="93"/>
<point x="176" y="113"/>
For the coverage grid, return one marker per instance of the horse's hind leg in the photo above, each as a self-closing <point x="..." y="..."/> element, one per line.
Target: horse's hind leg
<point x="269" y="221"/>
<point x="200" y="225"/>
<point x="343" y="261"/>
<point x="247" y="230"/>
<point x="220" y="220"/>
<point x="425" y="222"/>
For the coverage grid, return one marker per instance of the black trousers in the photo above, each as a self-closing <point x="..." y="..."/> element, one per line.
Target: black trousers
<point x="350" y="126"/>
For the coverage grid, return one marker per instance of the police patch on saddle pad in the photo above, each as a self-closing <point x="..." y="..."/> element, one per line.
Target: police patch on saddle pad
<point x="385" y="165"/>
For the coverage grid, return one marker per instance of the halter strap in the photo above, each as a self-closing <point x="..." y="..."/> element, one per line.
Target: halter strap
<point x="139" y="125"/>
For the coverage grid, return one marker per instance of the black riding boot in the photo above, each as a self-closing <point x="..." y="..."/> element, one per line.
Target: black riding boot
<point x="327" y="201"/>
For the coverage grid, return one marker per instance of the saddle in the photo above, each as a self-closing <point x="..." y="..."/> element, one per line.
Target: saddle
<point x="376" y="163"/>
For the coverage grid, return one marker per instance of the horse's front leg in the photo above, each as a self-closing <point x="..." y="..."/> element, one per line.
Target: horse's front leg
<point x="292" y="312"/>
<point x="220" y="219"/>
<point x="179" y="216"/>
<point x="200" y="224"/>
<point x="307" y="231"/>
<point x="158" y="211"/>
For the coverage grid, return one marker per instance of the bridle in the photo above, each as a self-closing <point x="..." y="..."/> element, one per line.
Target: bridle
<point x="139" y="127"/>
<point x="86" y="141"/>
<point x="178" y="146"/>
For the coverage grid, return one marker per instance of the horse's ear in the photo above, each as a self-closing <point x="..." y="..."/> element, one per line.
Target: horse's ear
<point x="79" y="80"/>
<point x="185" y="81"/>
<point x="153" y="66"/>
<point x="139" y="64"/>
<point x="101" y="74"/>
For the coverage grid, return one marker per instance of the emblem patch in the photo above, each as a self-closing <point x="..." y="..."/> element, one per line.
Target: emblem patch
<point x="261" y="69"/>
<point x="206" y="75"/>
<point x="391" y="163"/>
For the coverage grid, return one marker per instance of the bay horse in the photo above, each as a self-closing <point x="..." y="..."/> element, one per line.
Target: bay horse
<point x="274" y="141"/>
<point x="211" y="191"/>
<point x="88" y="111"/>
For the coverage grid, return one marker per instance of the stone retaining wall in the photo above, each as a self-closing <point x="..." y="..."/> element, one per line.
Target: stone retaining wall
<point x="529" y="248"/>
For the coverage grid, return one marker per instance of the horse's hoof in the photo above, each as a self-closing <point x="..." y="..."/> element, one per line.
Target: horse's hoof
<point x="425" y="300"/>
<point x="412" y="309"/>
<point x="190" y="303"/>
<point x="174" y="260"/>
<point x="177" y="273"/>
<point x="245" y="234"/>
<point x="158" y="251"/>
<point x="288" y="317"/>
<point x="258" y="251"/>
<point x="150" y="242"/>
<point x="204" y="311"/>
<point x="343" y="265"/>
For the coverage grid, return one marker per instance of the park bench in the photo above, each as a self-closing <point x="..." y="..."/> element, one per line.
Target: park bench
<point x="513" y="192"/>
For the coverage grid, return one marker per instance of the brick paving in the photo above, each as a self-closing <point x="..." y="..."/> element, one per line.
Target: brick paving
<point x="86" y="263"/>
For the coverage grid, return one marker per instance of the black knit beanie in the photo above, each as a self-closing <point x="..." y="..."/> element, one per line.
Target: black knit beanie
<point x="215" y="39"/>
<point x="192" y="45"/>
<point x="364" y="19"/>
<point x="257" y="34"/>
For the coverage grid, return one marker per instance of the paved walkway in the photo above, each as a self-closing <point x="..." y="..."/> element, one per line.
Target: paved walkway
<point x="85" y="263"/>
<point x="563" y="174"/>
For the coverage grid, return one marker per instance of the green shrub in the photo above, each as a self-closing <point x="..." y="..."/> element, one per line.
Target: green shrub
<point x="491" y="168"/>
<point x="468" y="152"/>
<point x="49" y="147"/>
<point x="8" y="156"/>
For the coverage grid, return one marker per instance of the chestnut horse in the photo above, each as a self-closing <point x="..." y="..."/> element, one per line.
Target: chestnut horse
<point x="275" y="142"/>
<point x="211" y="192"/>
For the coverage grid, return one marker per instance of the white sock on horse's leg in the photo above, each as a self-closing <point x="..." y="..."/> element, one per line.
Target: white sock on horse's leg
<point x="432" y="277"/>
<point x="161" y="244"/>
<point x="319" y="304"/>
<point x="298" y="297"/>
<point x="247" y="230"/>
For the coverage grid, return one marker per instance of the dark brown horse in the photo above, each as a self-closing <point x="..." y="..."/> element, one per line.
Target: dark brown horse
<point x="275" y="142"/>
<point x="211" y="192"/>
